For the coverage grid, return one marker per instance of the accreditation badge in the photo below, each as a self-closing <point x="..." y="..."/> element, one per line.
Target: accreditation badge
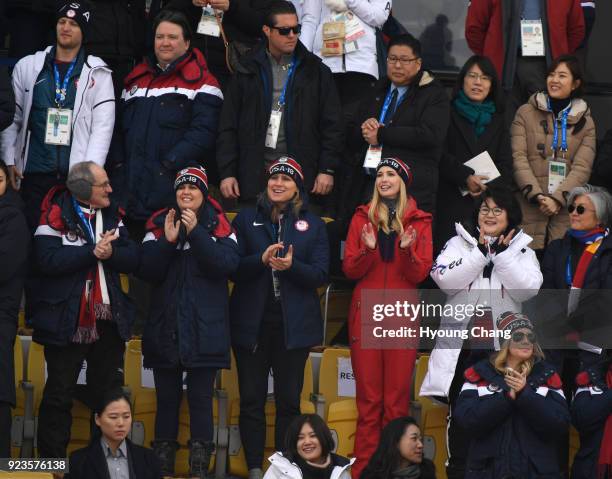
<point x="209" y="22"/>
<point x="557" y="172"/>
<point x="274" y="126"/>
<point x="373" y="157"/>
<point x="532" y="38"/>
<point x="59" y="126"/>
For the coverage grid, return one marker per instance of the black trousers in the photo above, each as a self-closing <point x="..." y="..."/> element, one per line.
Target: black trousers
<point x="169" y="392"/>
<point x="288" y="371"/>
<point x="104" y="372"/>
<point x="5" y="429"/>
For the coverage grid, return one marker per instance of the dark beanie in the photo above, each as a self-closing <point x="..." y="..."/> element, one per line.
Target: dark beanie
<point x="195" y="175"/>
<point x="402" y="169"/>
<point x="288" y="166"/>
<point x="79" y="11"/>
<point x="512" y="321"/>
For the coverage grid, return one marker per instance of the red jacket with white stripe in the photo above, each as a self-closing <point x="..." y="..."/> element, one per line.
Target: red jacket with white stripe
<point x="168" y="122"/>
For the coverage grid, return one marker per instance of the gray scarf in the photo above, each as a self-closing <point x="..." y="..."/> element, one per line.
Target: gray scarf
<point x="410" y="472"/>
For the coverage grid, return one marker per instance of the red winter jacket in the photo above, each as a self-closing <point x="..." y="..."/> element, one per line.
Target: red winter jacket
<point x="408" y="268"/>
<point x="485" y="36"/>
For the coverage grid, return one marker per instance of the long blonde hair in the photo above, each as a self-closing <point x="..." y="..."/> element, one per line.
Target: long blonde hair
<point x="378" y="214"/>
<point x="499" y="359"/>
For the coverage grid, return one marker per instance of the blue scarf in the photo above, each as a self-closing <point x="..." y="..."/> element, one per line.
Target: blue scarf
<point x="478" y="114"/>
<point x="587" y="237"/>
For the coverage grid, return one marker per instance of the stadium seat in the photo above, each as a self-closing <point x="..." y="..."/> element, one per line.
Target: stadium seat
<point x="18" y="413"/>
<point x="574" y="445"/>
<point x="335" y="306"/>
<point x="142" y="392"/>
<point x="25" y="475"/>
<point x="231" y="215"/>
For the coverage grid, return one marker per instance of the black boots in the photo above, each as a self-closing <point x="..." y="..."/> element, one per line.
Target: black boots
<point x="166" y="455"/>
<point x="199" y="457"/>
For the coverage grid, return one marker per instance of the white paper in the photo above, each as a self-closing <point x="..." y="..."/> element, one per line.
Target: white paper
<point x="346" y="378"/>
<point x="482" y="164"/>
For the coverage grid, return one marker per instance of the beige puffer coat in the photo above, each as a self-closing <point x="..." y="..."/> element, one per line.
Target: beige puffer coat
<point x="531" y="137"/>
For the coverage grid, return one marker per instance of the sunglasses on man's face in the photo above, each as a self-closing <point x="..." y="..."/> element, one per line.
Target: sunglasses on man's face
<point x="518" y="336"/>
<point x="284" y="31"/>
<point x="580" y="209"/>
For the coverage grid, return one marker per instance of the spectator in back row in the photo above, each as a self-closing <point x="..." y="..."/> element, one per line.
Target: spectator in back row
<point x="522" y="39"/>
<point x="275" y="312"/>
<point x="188" y="254"/>
<point x="14" y="242"/>
<point x="553" y="147"/>
<point x="282" y="101"/>
<point x="7" y="100"/>
<point x="65" y="111"/>
<point x="112" y="454"/>
<point x="476" y="125"/>
<point x="388" y="246"/>
<point x="168" y="120"/>
<point x="405" y="117"/>
<point x="78" y="308"/>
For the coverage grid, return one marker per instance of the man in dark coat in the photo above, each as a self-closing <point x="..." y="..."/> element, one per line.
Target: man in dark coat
<point x="279" y="84"/>
<point x="78" y="309"/>
<point x="405" y="117"/>
<point x="14" y="242"/>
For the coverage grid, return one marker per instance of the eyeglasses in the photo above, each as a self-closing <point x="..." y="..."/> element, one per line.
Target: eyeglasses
<point x="485" y="210"/>
<point x="103" y="185"/>
<point x="478" y="76"/>
<point x="403" y="60"/>
<point x="518" y="336"/>
<point x="580" y="209"/>
<point x="284" y="31"/>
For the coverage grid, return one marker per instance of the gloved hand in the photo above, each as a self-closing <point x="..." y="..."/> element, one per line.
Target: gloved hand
<point x="336" y="5"/>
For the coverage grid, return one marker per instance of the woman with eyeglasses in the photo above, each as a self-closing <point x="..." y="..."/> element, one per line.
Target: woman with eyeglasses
<point x="488" y="264"/>
<point x="553" y="145"/>
<point x="476" y="125"/>
<point x="275" y="312"/>
<point x="513" y="406"/>
<point x="579" y="265"/>
<point x="388" y="248"/>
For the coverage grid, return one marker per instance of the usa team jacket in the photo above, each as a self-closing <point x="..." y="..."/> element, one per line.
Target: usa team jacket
<point x="168" y="122"/>
<point x="188" y="321"/>
<point x="512" y="438"/>
<point x="591" y="408"/>
<point x="64" y="257"/>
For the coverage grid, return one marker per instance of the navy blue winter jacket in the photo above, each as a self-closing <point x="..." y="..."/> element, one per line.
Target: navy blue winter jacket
<point x="591" y="408"/>
<point x="188" y="322"/>
<point x="512" y="438"/>
<point x="64" y="256"/>
<point x="168" y="122"/>
<point x="300" y="304"/>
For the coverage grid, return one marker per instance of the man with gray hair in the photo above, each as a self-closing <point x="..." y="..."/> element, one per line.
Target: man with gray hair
<point x="78" y="309"/>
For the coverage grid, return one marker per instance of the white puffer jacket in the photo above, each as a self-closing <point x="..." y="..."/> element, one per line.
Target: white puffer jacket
<point x="93" y="117"/>
<point x="282" y="468"/>
<point x="371" y="14"/>
<point x="458" y="271"/>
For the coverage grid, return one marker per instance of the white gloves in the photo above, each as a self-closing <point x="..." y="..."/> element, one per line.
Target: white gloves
<point x="336" y="5"/>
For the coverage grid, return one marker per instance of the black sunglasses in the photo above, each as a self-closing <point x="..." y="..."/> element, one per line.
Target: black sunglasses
<point x="518" y="337"/>
<point x="580" y="209"/>
<point x="284" y="31"/>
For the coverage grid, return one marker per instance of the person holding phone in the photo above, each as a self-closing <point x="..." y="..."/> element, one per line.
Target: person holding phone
<point x="188" y="254"/>
<point x="514" y="408"/>
<point x="275" y="311"/>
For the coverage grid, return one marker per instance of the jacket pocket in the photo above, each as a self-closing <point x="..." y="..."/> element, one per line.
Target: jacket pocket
<point x="174" y="111"/>
<point x="48" y="314"/>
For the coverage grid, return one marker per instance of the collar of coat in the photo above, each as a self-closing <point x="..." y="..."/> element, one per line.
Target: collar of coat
<point x="90" y="61"/>
<point x="252" y="62"/>
<point x="412" y="212"/>
<point x="542" y="374"/>
<point x="578" y="109"/>
<point x="291" y="469"/>
<point x="519" y="241"/>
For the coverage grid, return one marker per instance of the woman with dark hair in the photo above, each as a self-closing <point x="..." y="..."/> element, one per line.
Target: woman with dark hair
<point x="275" y="312"/>
<point x="308" y="453"/>
<point x="112" y="454"/>
<point x="489" y="264"/>
<point x="476" y="125"/>
<point x="553" y="146"/>
<point x="513" y="407"/>
<point x="399" y="454"/>
<point x="14" y="243"/>
<point x="188" y="254"/>
<point x="388" y="247"/>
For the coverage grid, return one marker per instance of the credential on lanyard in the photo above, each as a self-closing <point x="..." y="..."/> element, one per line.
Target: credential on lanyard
<point x="555" y="142"/>
<point x="281" y="99"/>
<point x="60" y="92"/>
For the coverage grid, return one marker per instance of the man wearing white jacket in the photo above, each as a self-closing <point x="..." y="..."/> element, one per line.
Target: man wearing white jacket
<point x="493" y="270"/>
<point x="65" y="111"/>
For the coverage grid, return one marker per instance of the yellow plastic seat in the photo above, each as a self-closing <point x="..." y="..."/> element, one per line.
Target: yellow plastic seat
<point x="342" y="422"/>
<point x="335" y="307"/>
<point x="328" y="379"/>
<point x="574" y="446"/>
<point x="18" y="412"/>
<point x="434" y="437"/>
<point x="25" y="475"/>
<point x="231" y="215"/>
